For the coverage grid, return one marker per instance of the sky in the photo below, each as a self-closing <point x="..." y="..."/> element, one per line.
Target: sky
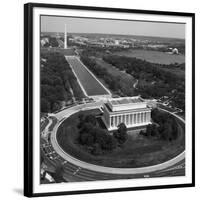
<point x="86" y="25"/>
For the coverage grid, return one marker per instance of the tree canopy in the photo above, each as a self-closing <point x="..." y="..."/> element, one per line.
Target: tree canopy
<point x="121" y="133"/>
<point x="91" y="135"/>
<point x="164" y="126"/>
<point x="57" y="82"/>
<point x="150" y="73"/>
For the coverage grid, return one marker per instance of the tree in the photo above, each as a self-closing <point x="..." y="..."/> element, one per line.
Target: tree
<point x="45" y="105"/>
<point x="91" y="119"/>
<point x="142" y="133"/>
<point x="56" y="106"/>
<point x="104" y="139"/>
<point x="111" y="143"/>
<point x="57" y="81"/>
<point x="166" y="80"/>
<point x="81" y="120"/>
<point x="149" y="130"/>
<point x="165" y="127"/>
<point x="174" y="129"/>
<point x="41" y="160"/>
<point x="97" y="149"/>
<point x="121" y="133"/>
<point x="87" y="139"/>
<point x="58" y="175"/>
<point x="85" y="127"/>
<point x="167" y="131"/>
<point x="93" y="136"/>
<point x="122" y="128"/>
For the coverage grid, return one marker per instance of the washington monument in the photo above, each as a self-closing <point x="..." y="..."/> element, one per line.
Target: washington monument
<point x="65" y="38"/>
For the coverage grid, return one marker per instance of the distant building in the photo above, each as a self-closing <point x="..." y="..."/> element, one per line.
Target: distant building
<point x="65" y="37"/>
<point x="175" y="51"/>
<point x="116" y="42"/>
<point x="57" y="36"/>
<point x="156" y="46"/>
<point x="132" y="111"/>
<point x="44" y="41"/>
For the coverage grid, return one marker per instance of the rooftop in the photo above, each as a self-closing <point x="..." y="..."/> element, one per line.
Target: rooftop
<point x="126" y="103"/>
<point x="128" y="100"/>
<point x="125" y="110"/>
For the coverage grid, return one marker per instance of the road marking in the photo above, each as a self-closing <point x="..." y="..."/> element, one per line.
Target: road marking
<point x="174" y="168"/>
<point x="64" y="162"/>
<point x="77" y="170"/>
<point x="56" y="157"/>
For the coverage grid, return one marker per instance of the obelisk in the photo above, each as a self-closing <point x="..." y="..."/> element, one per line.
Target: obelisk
<point x="65" y="38"/>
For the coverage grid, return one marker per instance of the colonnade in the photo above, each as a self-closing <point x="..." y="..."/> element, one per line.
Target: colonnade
<point x="130" y="119"/>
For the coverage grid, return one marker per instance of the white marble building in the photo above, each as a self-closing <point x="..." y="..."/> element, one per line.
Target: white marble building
<point x="132" y="111"/>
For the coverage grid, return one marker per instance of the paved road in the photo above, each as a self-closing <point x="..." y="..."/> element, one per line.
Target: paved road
<point x="45" y="131"/>
<point x="76" y="170"/>
<point x="102" y="169"/>
<point x="75" y="173"/>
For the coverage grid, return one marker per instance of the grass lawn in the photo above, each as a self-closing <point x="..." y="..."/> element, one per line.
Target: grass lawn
<point x="113" y="70"/>
<point x="127" y="78"/>
<point x="135" y="152"/>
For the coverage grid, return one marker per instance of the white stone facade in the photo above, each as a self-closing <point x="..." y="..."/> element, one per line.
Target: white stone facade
<point x="132" y="111"/>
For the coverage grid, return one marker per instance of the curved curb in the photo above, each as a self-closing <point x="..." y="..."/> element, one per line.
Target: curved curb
<point x="111" y="170"/>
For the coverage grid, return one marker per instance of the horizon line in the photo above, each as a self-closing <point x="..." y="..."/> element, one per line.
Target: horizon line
<point x="112" y="34"/>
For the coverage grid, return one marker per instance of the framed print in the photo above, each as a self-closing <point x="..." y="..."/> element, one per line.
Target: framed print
<point x="108" y="99"/>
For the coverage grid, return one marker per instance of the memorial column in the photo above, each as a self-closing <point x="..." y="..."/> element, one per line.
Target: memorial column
<point x="135" y="116"/>
<point x="145" y="117"/>
<point x="117" y="120"/>
<point x="131" y="119"/>
<point x="148" y="116"/>
<point x="138" y="118"/>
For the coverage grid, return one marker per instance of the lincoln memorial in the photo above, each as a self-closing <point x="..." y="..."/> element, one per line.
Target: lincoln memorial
<point x="132" y="111"/>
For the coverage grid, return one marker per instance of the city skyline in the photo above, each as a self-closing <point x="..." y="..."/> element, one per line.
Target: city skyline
<point x="117" y="27"/>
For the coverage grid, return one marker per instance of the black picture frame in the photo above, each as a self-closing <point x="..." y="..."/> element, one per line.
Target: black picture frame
<point x="28" y="97"/>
